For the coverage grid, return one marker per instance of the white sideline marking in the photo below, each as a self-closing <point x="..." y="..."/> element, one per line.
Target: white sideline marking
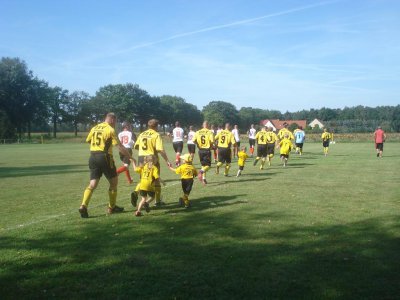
<point x="23" y="225"/>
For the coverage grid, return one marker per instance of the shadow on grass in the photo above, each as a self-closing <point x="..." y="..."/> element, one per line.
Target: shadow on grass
<point x="41" y="170"/>
<point x="205" y="256"/>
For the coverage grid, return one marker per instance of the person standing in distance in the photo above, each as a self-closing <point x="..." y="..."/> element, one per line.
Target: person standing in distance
<point x="177" y="142"/>
<point x="252" y="138"/>
<point x="236" y="135"/>
<point x="379" y="138"/>
<point x="326" y="138"/>
<point x="127" y="139"/>
<point x="149" y="143"/>
<point x="190" y="142"/>
<point x="204" y="139"/>
<point x="101" y="138"/>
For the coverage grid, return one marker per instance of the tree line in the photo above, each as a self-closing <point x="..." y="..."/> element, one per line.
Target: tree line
<point x="29" y="104"/>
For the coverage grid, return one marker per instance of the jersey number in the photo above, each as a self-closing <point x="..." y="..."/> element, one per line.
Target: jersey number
<point x="203" y="139"/>
<point x="96" y="140"/>
<point x="124" y="140"/>
<point x="223" y="138"/>
<point x="145" y="146"/>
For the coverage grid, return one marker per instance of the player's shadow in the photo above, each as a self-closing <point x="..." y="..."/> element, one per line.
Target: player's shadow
<point x="6" y="172"/>
<point x="203" y="203"/>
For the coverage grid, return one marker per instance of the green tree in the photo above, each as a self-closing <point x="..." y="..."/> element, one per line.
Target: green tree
<point x="57" y="98"/>
<point x="220" y="112"/>
<point x="75" y="109"/>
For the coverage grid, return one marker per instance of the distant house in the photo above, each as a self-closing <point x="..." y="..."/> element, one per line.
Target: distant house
<point x="279" y="124"/>
<point x="316" y="122"/>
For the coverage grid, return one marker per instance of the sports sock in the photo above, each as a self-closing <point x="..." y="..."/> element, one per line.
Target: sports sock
<point x="112" y="195"/>
<point x="205" y="169"/>
<point x="251" y="150"/>
<point x="186" y="199"/>
<point x="178" y="158"/>
<point x="219" y="164"/>
<point x="227" y="167"/>
<point x="238" y="173"/>
<point x="87" y="194"/>
<point x="262" y="163"/>
<point x="121" y="169"/>
<point x="128" y="175"/>
<point x="157" y="189"/>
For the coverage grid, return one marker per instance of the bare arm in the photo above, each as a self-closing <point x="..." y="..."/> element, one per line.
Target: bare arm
<point x="123" y="150"/>
<point x="165" y="157"/>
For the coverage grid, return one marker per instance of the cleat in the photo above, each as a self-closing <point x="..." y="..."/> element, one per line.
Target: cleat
<point x="159" y="204"/>
<point x="189" y="205"/>
<point x="115" y="209"/>
<point x="134" y="199"/>
<point x="226" y="175"/>
<point x="204" y="181"/>
<point x="138" y="213"/>
<point x="83" y="211"/>
<point x="147" y="207"/>
<point x="181" y="202"/>
<point x="255" y="162"/>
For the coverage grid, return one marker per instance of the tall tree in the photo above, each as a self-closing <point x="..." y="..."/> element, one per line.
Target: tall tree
<point x="220" y="112"/>
<point x="75" y="109"/>
<point x="57" y="98"/>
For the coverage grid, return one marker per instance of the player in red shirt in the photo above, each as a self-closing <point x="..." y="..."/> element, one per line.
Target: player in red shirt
<point x="379" y="138"/>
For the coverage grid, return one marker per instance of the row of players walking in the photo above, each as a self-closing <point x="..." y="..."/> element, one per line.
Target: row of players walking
<point x="149" y="144"/>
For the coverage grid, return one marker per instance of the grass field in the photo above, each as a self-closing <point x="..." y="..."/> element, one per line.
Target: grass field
<point x="322" y="228"/>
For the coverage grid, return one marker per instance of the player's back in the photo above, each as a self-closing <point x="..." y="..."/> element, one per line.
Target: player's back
<point x="225" y="139"/>
<point x="271" y="137"/>
<point x="204" y="138"/>
<point x="261" y="137"/>
<point x="299" y="135"/>
<point x="252" y="133"/>
<point x="187" y="171"/>
<point x="326" y="136"/>
<point x="242" y="158"/>
<point x="125" y="137"/>
<point x="101" y="138"/>
<point x="177" y="135"/>
<point x="149" y="142"/>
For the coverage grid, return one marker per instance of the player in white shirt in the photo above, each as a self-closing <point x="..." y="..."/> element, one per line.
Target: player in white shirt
<point x="177" y="142"/>
<point x="127" y="139"/>
<point x="190" y="142"/>
<point x="235" y="132"/>
<point x="252" y="138"/>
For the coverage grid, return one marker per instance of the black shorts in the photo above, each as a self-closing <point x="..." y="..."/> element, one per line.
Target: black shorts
<point x="241" y="168"/>
<point x="262" y="151"/>
<point x="187" y="185"/>
<point x="270" y="149"/>
<point x="101" y="163"/>
<point x="178" y="147"/>
<point x="299" y="145"/>
<point x="224" y="155"/>
<point x="238" y="144"/>
<point x="125" y="159"/>
<point x="205" y="157"/>
<point x="155" y="159"/>
<point x="285" y="155"/>
<point x="147" y="193"/>
<point x="191" y="148"/>
<point x="252" y="142"/>
<point x="325" y="144"/>
<point x="379" y="146"/>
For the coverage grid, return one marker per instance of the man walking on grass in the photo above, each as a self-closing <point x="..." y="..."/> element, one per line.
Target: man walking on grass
<point x="379" y="138"/>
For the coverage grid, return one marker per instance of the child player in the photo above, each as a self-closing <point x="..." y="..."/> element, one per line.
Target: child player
<point x="187" y="172"/>
<point x="148" y="175"/>
<point x="242" y="155"/>
<point x="286" y="146"/>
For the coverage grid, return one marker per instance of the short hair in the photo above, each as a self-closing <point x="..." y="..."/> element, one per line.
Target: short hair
<point x="177" y="123"/>
<point x="191" y="127"/>
<point x="153" y="123"/>
<point x="111" y="115"/>
<point x="300" y="127"/>
<point x="126" y="124"/>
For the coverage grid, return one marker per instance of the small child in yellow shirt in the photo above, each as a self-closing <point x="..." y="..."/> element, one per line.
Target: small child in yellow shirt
<point x="242" y="155"/>
<point x="148" y="175"/>
<point x="187" y="172"/>
<point x="286" y="146"/>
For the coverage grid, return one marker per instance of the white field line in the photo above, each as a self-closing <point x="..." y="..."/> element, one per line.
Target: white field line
<point x="23" y="225"/>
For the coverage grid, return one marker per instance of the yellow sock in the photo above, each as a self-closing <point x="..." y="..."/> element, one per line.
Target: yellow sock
<point x="112" y="195"/>
<point x="205" y="168"/>
<point x="186" y="199"/>
<point x="227" y="167"/>
<point x="219" y="164"/>
<point x="262" y="163"/>
<point x="87" y="194"/>
<point x="158" y="193"/>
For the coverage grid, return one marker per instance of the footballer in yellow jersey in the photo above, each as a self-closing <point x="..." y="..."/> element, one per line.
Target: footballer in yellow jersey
<point x="187" y="173"/>
<point x="149" y="143"/>
<point x="204" y="139"/>
<point x="326" y="138"/>
<point x="261" y="139"/>
<point x="285" y="130"/>
<point x="225" y="139"/>
<point x="242" y="156"/>
<point x="285" y="147"/>
<point x="101" y="138"/>
<point x="149" y="175"/>
<point x="272" y="140"/>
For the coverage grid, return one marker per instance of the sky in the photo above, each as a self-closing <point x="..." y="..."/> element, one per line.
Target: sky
<point x="286" y="55"/>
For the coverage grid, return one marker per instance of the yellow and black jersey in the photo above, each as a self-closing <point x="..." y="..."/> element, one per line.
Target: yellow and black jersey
<point x="261" y="137"/>
<point x="286" y="146"/>
<point x="225" y="139"/>
<point x="271" y="137"/>
<point x="326" y="136"/>
<point x="187" y="171"/>
<point x="147" y="177"/>
<point x="242" y="158"/>
<point x="102" y="137"/>
<point x="149" y="142"/>
<point x="204" y="138"/>
<point x="283" y="131"/>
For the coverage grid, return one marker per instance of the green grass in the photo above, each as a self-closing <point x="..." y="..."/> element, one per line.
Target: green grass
<point x="322" y="228"/>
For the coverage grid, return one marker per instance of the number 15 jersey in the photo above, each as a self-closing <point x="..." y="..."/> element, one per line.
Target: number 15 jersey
<point x="149" y="142"/>
<point x="101" y="138"/>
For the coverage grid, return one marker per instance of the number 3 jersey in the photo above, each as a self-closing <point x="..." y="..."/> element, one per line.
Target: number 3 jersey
<point x="126" y="139"/>
<point x="101" y="138"/>
<point x="149" y="142"/>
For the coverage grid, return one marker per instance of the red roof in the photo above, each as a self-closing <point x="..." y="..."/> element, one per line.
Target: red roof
<point x="278" y="124"/>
